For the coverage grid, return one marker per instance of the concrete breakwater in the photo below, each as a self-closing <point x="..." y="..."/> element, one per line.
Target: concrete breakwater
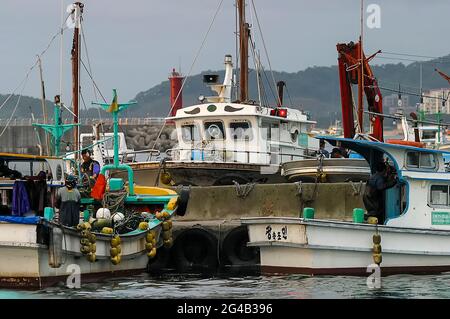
<point x="21" y="137"/>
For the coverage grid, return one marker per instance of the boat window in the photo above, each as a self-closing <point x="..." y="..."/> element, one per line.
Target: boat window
<point x="428" y="135"/>
<point x="439" y="195"/>
<point x="190" y="133"/>
<point x="420" y="160"/>
<point x="214" y="130"/>
<point x="241" y="131"/>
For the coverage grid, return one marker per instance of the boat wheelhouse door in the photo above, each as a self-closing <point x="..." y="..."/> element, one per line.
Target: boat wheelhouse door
<point x="270" y="131"/>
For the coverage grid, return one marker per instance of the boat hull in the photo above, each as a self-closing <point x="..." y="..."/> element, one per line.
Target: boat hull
<point x="31" y="262"/>
<point x="316" y="247"/>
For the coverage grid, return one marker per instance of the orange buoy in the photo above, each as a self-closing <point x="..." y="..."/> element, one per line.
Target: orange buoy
<point x="407" y="143"/>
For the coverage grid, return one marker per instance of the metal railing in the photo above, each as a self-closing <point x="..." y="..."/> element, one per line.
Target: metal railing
<point x="86" y="121"/>
<point x="223" y="156"/>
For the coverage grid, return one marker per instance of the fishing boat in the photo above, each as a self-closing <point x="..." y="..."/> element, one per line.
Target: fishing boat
<point x="37" y="250"/>
<point x="414" y="237"/>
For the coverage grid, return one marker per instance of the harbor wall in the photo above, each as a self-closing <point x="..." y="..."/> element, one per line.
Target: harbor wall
<point x="22" y="137"/>
<point x="334" y="201"/>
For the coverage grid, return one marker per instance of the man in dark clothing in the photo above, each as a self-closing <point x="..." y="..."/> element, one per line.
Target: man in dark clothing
<point x="89" y="166"/>
<point x="373" y="197"/>
<point x="322" y="150"/>
<point x="68" y="200"/>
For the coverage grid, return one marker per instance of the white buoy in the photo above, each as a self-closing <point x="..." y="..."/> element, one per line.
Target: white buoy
<point x="103" y="213"/>
<point x="118" y="217"/>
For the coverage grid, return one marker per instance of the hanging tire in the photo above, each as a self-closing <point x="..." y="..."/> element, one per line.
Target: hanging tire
<point x="229" y="180"/>
<point x="183" y="200"/>
<point x="236" y="251"/>
<point x="195" y="250"/>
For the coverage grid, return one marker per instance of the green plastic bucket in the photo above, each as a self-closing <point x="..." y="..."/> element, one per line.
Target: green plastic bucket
<point x="308" y="212"/>
<point x="358" y="215"/>
<point x="49" y="213"/>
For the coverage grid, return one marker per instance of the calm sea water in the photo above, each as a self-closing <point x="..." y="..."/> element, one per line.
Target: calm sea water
<point x="248" y="287"/>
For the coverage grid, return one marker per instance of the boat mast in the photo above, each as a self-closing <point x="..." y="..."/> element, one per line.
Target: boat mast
<point x="44" y="112"/>
<point x="361" y="80"/>
<point x="78" y="10"/>
<point x="243" y="51"/>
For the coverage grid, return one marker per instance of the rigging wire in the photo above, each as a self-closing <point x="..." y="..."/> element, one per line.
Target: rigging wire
<point x="15" y="108"/>
<point x="264" y="45"/>
<point x="189" y="72"/>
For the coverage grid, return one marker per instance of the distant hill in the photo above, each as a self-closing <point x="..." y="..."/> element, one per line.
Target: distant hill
<point x="315" y="90"/>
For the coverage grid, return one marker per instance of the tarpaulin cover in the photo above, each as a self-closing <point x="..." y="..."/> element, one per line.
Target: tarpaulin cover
<point x="30" y="220"/>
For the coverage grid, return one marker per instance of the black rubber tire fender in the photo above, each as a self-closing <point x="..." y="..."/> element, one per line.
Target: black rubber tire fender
<point x="195" y="249"/>
<point x="183" y="200"/>
<point x="235" y="249"/>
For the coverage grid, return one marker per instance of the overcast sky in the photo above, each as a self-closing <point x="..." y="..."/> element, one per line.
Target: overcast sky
<point x="134" y="44"/>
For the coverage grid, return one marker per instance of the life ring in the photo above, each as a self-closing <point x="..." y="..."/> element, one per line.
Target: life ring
<point x="235" y="249"/>
<point x="183" y="199"/>
<point x="407" y="143"/>
<point x="195" y="249"/>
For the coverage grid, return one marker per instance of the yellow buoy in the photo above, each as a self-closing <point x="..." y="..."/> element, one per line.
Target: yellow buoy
<point x="85" y="233"/>
<point x="376" y="239"/>
<point x="149" y="246"/>
<point x="113" y="252"/>
<point x="116" y="260"/>
<point x="92" y="238"/>
<point x="377" y="258"/>
<point x="143" y="225"/>
<point x="91" y="257"/>
<point x="107" y="230"/>
<point x="85" y="249"/>
<point x="84" y="241"/>
<point x="168" y="243"/>
<point x="372" y="220"/>
<point x="152" y="253"/>
<point x="115" y="241"/>
<point x="93" y="248"/>
<point x="376" y="249"/>
<point x="150" y="236"/>
<point x="165" y="178"/>
<point x="165" y="226"/>
<point x="165" y="214"/>
<point x="167" y="235"/>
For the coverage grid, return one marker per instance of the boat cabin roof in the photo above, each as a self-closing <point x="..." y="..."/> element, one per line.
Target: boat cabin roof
<point x="24" y="157"/>
<point x="238" y="110"/>
<point x="373" y="151"/>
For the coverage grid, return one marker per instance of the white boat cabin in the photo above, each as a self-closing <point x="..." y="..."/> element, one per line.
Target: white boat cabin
<point x="218" y="130"/>
<point x="421" y="198"/>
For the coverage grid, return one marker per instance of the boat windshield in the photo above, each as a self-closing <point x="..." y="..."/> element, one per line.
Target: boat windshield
<point x="214" y="130"/>
<point x="241" y="131"/>
<point x="190" y="133"/>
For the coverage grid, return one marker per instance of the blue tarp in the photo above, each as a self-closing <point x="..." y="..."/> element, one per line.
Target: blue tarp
<point x="30" y="220"/>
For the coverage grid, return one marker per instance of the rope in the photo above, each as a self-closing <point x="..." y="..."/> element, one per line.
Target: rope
<point x="243" y="191"/>
<point x="356" y="191"/>
<point x="189" y="73"/>
<point x="114" y="200"/>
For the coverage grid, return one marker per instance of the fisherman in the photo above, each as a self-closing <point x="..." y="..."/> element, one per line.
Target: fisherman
<point x="373" y="198"/>
<point x="89" y="166"/>
<point x="68" y="200"/>
<point x="322" y="150"/>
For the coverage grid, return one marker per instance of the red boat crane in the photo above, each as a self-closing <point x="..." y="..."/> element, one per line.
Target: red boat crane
<point x="349" y="64"/>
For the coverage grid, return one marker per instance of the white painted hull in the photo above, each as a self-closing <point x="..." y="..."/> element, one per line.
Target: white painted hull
<point x="329" y="247"/>
<point x="25" y="263"/>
